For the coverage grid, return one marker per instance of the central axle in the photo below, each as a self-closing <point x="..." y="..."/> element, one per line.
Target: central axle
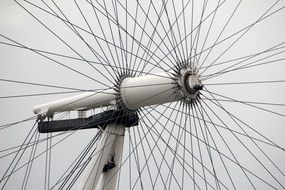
<point x="133" y="93"/>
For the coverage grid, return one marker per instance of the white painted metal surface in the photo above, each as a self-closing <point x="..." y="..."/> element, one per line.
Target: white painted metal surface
<point x="83" y="101"/>
<point x="110" y="144"/>
<point x="147" y="90"/>
<point x="135" y="92"/>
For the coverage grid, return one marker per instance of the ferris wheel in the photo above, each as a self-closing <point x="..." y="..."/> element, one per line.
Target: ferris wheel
<point x="142" y="94"/>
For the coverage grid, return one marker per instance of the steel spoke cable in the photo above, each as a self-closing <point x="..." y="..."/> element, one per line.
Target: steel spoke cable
<point x="4" y="126"/>
<point x="113" y="20"/>
<point x="270" y="143"/>
<point x="189" y="34"/>
<point x="105" y="39"/>
<point x="229" y="68"/>
<point x="80" y="36"/>
<point x="167" y="35"/>
<point x="215" y="145"/>
<point x="168" y="166"/>
<point x="178" y="155"/>
<point x="132" y="41"/>
<point x="208" y="31"/>
<point x="169" y="137"/>
<point x="263" y="16"/>
<point x="216" y="150"/>
<point x="197" y="35"/>
<point x="248" y="104"/>
<point x="245" y="66"/>
<point x="256" y="157"/>
<point x="76" y="91"/>
<point x="73" y="25"/>
<point x="43" y="94"/>
<point x="58" y="37"/>
<point x="194" y="157"/>
<point x="79" y="127"/>
<point x="96" y="54"/>
<point x="174" y="41"/>
<point x="245" y="82"/>
<point x="235" y="33"/>
<point x="207" y="144"/>
<point x="46" y="175"/>
<point x="78" y="160"/>
<point x="106" y="57"/>
<point x="184" y="144"/>
<point x="29" y="167"/>
<point x="188" y="151"/>
<point x="99" y="153"/>
<point x="159" y="21"/>
<point x="82" y="168"/>
<point x="137" y="159"/>
<point x="179" y="136"/>
<point x="74" y="58"/>
<point x="128" y="156"/>
<point x="210" y="147"/>
<point x="99" y="158"/>
<point x="227" y="157"/>
<point x="111" y="177"/>
<point x="156" y="144"/>
<point x="220" y="34"/>
<point x="72" y="28"/>
<point x="225" y="143"/>
<point x="236" y="132"/>
<point x="32" y="143"/>
<point x="199" y="146"/>
<point x="130" y="165"/>
<point x="103" y="102"/>
<point x="151" y="41"/>
<point x="59" y="63"/>
<point x="115" y="9"/>
<point x="247" y="57"/>
<point x="38" y="155"/>
<point x="93" y="51"/>
<point x="7" y="174"/>
<point x="83" y="90"/>
<point x="191" y="147"/>
<point x="66" y="56"/>
<point x="141" y="37"/>
<point x="128" y="66"/>
<point x="150" y="37"/>
<point x="191" y="28"/>
<point x="140" y="172"/>
<point x="184" y="30"/>
<point x="269" y="159"/>
<point x="146" y="164"/>
<point x="112" y="34"/>
<point x="151" y="148"/>
<point x="39" y="84"/>
<point x="239" y="31"/>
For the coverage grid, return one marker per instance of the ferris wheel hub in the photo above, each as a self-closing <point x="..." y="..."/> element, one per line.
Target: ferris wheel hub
<point x="189" y="84"/>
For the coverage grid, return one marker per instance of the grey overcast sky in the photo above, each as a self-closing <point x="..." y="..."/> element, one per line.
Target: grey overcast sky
<point x="37" y="46"/>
